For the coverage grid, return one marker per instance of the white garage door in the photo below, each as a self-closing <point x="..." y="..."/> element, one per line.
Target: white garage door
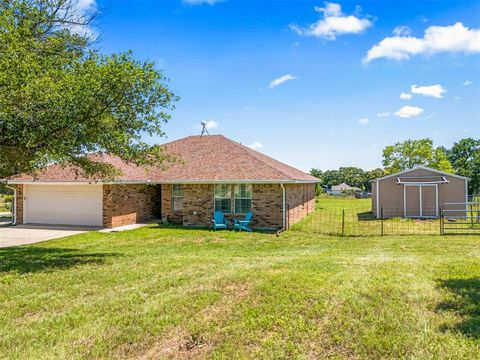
<point x="63" y="204"/>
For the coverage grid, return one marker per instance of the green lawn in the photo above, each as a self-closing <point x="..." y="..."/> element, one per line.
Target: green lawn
<point x="338" y="202"/>
<point x="359" y="220"/>
<point x="176" y="293"/>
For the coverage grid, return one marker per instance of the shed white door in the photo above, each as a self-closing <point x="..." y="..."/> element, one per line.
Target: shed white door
<point x="63" y="204"/>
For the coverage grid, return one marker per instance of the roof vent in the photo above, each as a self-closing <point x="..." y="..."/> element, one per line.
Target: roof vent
<point x="204" y="128"/>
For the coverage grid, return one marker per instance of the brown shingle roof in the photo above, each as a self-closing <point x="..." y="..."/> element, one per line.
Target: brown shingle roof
<point x="210" y="158"/>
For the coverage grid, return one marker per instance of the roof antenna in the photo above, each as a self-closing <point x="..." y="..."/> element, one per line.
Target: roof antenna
<point x="204" y="128"/>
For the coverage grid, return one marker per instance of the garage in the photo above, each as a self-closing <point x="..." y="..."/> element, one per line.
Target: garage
<point x="63" y="204"/>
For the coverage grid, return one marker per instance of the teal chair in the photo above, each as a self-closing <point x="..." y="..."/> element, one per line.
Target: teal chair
<point x="219" y="222"/>
<point x="243" y="224"/>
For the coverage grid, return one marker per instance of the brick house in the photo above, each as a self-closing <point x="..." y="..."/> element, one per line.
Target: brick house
<point x="212" y="173"/>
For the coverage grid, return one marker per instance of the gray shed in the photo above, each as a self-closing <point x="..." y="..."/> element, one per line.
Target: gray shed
<point x="417" y="193"/>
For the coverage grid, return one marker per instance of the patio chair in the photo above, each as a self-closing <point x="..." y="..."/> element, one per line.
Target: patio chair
<point x="243" y="224"/>
<point x="219" y="222"/>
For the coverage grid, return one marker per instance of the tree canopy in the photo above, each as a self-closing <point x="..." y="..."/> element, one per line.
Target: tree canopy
<point x="410" y="153"/>
<point x="465" y="158"/>
<point x="60" y="98"/>
<point x="352" y="176"/>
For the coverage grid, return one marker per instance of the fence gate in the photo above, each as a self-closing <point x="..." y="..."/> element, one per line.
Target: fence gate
<point x="460" y="218"/>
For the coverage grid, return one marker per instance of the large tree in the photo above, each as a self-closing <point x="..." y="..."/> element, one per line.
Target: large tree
<point x="61" y="99"/>
<point x="408" y="154"/>
<point x="465" y="158"/>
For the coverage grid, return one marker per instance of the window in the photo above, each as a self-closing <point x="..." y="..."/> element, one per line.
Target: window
<point x="177" y="197"/>
<point x="223" y="198"/>
<point x="240" y="198"/>
<point x="243" y="198"/>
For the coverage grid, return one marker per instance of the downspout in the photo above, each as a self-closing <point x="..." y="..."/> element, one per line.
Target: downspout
<point x="14" y="212"/>
<point x="284" y="213"/>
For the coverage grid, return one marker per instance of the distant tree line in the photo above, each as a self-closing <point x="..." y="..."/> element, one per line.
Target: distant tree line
<point x="350" y="175"/>
<point x="463" y="158"/>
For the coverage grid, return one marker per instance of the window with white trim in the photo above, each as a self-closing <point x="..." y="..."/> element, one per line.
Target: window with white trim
<point x="177" y="197"/>
<point x="233" y="198"/>
<point x="223" y="198"/>
<point x="243" y="198"/>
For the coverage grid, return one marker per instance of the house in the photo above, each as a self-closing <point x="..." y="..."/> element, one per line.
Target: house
<point x="213" y="173"/>
<point x="343" y="188"/>
<point x="418" y="193"/>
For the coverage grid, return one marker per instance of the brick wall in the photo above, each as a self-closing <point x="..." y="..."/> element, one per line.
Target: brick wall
<point x="129" y="204"/>
<point x="198" y="206"/>
<point x="267" y="206"/>
<point x="19" y="204"/>
<point x="300" y="200"/>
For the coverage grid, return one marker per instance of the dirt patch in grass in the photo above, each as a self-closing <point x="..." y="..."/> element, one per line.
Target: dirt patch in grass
<point x="178" y="343"/>
<point x="182" y="343"/>
<point x="232" y="294"/>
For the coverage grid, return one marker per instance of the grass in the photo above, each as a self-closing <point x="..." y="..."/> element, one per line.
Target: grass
<point x="161" y="292"/>
<point x="4" y="205"/>
<point x="330" y="202"/>
<point x="359" y="220"/>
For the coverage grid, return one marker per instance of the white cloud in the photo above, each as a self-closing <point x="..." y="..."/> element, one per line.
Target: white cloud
<point x="334" y="23"/>
<point x="408" y="111"/>
<point x="364" y="121"/>
<point x="452" y="39"/>
<point x="383" y="114"/>
<point x="402" y="30"/>
<point x="278" y="81"/>
<point x="85" y="5"/>
<point x="256" y="145"/>
<point x="211" y="124"/>
<point x="435" y="91"/>
<point x="83" y="8"/>
<point x="405" y="96"/>
<point x="467" y="82"/>
<point x="201" y="2"/>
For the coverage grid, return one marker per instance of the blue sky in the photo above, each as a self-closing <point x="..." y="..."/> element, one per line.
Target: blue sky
<point x="339" y="67"/>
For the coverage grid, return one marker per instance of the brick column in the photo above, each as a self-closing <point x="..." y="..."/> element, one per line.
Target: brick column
<point x="19" y="204"/>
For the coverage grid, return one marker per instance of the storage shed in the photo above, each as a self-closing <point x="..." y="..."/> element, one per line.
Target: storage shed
<point x="417" y="193"/>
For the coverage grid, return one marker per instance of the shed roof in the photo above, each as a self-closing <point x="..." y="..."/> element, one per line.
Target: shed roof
<point x="422" y="168"/>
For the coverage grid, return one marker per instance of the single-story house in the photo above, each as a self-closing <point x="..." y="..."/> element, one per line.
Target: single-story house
<point x="418" y="193"/>
<point x="212" y="173"/>
<point x="343" y="188"/>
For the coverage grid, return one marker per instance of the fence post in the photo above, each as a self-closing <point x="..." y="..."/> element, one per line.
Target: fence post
<point x="343" y="222"/>
<point x="441" y="219"/>
<point x="381" y="219"/>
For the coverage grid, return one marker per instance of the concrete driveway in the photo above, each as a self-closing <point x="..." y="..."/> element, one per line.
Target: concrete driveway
<point x="29" y="234"/>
